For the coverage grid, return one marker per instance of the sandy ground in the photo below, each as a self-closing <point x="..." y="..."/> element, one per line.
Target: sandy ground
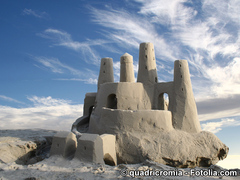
<point x="24" y="154"/>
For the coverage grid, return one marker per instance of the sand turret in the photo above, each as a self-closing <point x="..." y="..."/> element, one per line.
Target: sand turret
<point x="147" y="72"/>
<point x="184" y="112"/>
<point x="106" y="71"/>
<point x="126" y="69"/>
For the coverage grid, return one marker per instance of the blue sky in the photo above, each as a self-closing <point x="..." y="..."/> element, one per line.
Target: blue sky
<point x="50" y="54"/>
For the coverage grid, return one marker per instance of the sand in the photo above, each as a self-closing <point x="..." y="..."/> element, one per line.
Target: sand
<point x="24" y="154"/>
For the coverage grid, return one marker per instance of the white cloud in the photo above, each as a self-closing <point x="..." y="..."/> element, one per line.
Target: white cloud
<point x="225" y="10"/>
<point x="47" y="113"/>
<point x="61" y="38"/>
<point x="35" y="13"/>
<point x="5" y="98"/>
<point x="130" y="30"/>
<point x="166" y="12"/>
<point x="56" y="66"/>
<point x="53" y="64"/>
<point x="215" y="127"/>
<point x="206" y="34"/>
<point x="87" y="81"/>
<point x="226" y="79"/>
<point x="47" y="101"/>
<point x="206" y="38"/>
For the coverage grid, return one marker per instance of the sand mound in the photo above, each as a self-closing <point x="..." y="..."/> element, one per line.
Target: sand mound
<point x="19" y="150"/>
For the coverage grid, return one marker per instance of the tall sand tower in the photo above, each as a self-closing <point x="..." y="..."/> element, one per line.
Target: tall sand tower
<point x="184" y="112"/>
<point x="106" y="71"/>
<point x="147" y="72"/>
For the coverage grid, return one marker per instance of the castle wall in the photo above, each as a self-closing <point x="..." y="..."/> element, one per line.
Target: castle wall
<point x="184" y="110"/>
<point x="113" y="120"/>
<point x="124" y="96"/>
<point x="159" y="89"/>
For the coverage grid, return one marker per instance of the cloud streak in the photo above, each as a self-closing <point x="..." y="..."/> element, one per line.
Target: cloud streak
<point x="191" y="31"/>
<point x="5" y="98"/>
<point x="64" y="39"/>
<point x="56" y="66"/>
<point x="131" y="30"/>
<point x="34" y="13"/>
<point x="205" y="33"/>
<point x="87" y="81"/>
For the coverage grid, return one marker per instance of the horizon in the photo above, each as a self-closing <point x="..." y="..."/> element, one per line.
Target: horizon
<point x="51" y="51"/>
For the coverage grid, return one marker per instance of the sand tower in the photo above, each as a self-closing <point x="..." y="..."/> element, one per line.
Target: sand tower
<point x="184" y="112"/>
<point x="147" y="72"/>
<point x="126" y="69"/>
<point x="106" y="71"/>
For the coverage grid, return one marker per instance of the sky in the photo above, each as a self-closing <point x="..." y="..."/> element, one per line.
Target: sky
<point x="50" y="53"/>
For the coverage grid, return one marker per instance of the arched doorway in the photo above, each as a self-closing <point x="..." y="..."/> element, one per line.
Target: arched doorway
<point x="112" y="101"/>
<point x="163" y="101"/>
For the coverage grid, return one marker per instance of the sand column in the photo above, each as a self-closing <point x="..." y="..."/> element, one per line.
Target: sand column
<point x="126" y="69"/>
<point x="147" y="72"/>
<point x="184" y="112"/>
<point x="106" y="71"/>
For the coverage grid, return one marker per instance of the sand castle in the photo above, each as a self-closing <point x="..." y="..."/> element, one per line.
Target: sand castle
<point x="147" y="126"/>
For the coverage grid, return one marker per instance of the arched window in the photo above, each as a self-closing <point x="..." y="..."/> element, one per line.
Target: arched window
<point x="112" y="101"/>
<point x="108" y="160"/>
<point x="163" y="101"/>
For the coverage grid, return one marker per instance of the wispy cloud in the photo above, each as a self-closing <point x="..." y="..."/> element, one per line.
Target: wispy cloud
<point x="208" y="39"/>
<point x="87" y="81"/>
<point x="205" y="33"/>
<point x="215" y="127"/>
<point x="166" y="12"/>
<point x="62" y="38"/>
<point x="47" y="113"/>
<point x="129" y="29"/>
<point x="9" y="99"/>
<point x="56" y="66"/>
<point x="36" y="14"/>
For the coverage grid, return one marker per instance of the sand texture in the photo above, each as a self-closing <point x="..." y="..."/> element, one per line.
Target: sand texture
<point x="24" y="154"/>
